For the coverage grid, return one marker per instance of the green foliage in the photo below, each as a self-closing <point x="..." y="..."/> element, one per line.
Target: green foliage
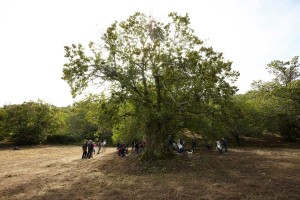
<point x="128" y="127"/>
<point x="3" y="134"/>
<point x="77" y="124"/>
<point x="162" y="73"/>
<point x="61" y="139"/>
<point x="30" y="122"/>
<point x="92" y="118"/>
<point x="277" y="103"/>
<point x="249" y="110"/>
<point x="288" y="114"/>
<point x="285" y="72"/>
<point x="101" y="114"/>
<point x="271" y="107"/>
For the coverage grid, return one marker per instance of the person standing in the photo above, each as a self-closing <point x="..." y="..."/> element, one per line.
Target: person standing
<point x="219" y="147"/>
<point x="84" y="150"/>
<point x="180" y="146"/>
<point x="136" y="148"/>
<point x="225" y="145"/>
<point x="90" y="149"/>
<point x="103" y="145"/>
<point x="94" y="148"/>
<point x="99" y="147"/>
<point x="193" y="145"/>
<point x="170" y="142"/>
<point x="132" y="145"/>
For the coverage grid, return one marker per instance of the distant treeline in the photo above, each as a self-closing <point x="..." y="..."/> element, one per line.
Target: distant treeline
<point x="270" y="108"/>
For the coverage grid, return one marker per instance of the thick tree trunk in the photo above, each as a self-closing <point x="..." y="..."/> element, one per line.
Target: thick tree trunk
<point x="156" y="146"/>
<point x="157" y="131"/>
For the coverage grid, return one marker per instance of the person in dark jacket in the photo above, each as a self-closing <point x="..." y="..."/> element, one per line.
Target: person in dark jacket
<point x="137" y="147"/>
<point x="90" y="149"/>
<point x="84" y="150"/>
<point x="193" y="145"/>
<point x="170" y="142"/>
<point x="99" y="146"/>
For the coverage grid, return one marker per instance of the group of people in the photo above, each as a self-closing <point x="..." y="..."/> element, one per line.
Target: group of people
<point x="179" y="146"/>
<point x="122" y="148"/>
<point x="89" y="148"/>
<point x="138" y="146"/>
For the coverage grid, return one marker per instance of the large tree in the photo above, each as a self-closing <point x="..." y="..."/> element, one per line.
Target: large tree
<point x="171" y="79"/>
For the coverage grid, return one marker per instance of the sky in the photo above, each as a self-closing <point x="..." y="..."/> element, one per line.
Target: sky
<point x="33" y="34"/>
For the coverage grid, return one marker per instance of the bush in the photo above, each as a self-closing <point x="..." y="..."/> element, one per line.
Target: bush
<point x="30" y="122"/>
<point x="61" y="139"/>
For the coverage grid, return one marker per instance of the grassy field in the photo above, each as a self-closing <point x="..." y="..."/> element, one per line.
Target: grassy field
<point x="58" y="172"/>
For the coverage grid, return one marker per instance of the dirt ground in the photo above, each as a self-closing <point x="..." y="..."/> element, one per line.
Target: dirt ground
<point x="58" y="172"/>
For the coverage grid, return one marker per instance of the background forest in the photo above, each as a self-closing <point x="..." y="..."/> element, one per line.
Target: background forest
<point x="269" y="108"/>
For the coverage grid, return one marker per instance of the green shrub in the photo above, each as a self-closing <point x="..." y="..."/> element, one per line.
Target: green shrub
<point x="61" y="139"/>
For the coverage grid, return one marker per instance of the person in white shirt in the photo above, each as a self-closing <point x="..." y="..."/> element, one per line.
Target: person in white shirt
<point x="180" y="146"/>
<point x="103" y="145"/>
<point x="219" y="147"/>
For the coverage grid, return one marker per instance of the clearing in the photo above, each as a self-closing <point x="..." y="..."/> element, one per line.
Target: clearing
<point x="58" y="172"/>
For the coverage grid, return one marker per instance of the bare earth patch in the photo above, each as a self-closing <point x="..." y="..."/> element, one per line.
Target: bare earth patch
<point x="58" y="172"/>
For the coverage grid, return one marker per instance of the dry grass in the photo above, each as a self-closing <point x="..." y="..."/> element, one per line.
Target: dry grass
<point x="58" y="172"/>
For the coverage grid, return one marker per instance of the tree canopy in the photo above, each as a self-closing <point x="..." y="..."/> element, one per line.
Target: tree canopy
<point x="277" y="102"/>
<point x="285" y="72"/>
<point x="30" y="122"/>
<point x="163" y="70"/>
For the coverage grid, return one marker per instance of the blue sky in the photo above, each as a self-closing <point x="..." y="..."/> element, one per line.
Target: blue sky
<point x="33" y="33"/>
